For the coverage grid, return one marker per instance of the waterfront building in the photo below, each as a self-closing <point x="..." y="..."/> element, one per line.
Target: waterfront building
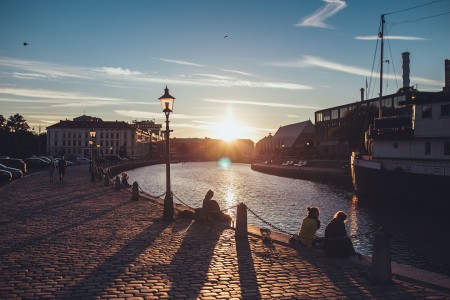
<point x="71" y="137"/>
<point x="294" y="140"/>
<point x="397" y="104"/>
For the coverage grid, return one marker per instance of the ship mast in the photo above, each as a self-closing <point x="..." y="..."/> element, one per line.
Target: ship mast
<point x="381" y="35"/>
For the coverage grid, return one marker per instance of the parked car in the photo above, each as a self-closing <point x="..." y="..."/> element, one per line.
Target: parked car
<point x="5" y="176"/>
<point x="16" y="173"/>
<point x="36" y="163"/>
<point x="14" y="163"/>
<point x="113" y="158"/>
<point x="68" y="162"/>
<point x="82" y="161"/>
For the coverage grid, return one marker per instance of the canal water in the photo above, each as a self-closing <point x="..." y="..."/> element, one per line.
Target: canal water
<point x="419" y="235"/>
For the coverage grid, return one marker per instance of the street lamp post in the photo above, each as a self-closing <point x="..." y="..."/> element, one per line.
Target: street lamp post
<point x="167" y="105"/>
<point x="91" y="163"/>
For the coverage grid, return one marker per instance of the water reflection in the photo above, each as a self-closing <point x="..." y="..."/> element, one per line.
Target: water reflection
<point x="283" y="202"/>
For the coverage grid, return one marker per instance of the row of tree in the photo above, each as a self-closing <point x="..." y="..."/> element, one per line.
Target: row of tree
<point x="17" y="140"/>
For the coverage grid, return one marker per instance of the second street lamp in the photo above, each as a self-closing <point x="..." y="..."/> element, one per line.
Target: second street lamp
<point x="167" y="105"/>
<point x="91" y="164"/>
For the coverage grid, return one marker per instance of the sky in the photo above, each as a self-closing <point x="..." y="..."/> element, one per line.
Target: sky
<point x="238" y="69"/>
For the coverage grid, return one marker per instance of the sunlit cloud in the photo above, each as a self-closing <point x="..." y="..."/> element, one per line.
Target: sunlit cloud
<point x="317" y="19"/>
<point x="116" y="71"/>
<point x="391" y="37"/>
<point x="181" y="62"/>
<point x="243" y="102"/>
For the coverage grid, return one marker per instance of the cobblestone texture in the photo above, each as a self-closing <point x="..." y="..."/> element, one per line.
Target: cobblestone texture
<point x="82" y="240"/>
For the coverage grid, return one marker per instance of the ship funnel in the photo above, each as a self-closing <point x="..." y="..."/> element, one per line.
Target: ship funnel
<point x="405" y="67"/>
<point x="447" y="75"/>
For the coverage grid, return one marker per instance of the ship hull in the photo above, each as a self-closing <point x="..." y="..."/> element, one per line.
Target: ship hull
<point x="377" y="184"/>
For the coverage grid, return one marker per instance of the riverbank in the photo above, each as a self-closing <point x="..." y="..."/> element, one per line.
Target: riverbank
<point x="78" y="239"/>
<point x="315" y="171"/>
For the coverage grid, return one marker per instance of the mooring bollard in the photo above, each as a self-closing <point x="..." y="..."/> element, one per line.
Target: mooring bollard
<point x="381" y="259"/>
<point x="135" y="192"/>
<point x="117" y="184"/>
<point x="106" y="182"/>
<point x="241" y="221"/>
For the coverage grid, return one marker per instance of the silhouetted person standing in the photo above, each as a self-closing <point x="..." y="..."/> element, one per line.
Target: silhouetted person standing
<point x="62" y="168"/>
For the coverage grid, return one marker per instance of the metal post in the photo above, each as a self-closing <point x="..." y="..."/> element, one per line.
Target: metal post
<point x="241" y="221"/>
<point x="381" y="259"/>
<point x="168" y="200"/>
<point x="92" y="163"/>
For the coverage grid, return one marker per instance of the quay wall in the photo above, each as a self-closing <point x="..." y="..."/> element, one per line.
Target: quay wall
<point x="326" y="175"/>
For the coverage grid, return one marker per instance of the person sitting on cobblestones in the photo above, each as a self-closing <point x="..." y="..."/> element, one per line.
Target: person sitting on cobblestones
<point x="124" y="180"/>
<point x="336" y="242"/>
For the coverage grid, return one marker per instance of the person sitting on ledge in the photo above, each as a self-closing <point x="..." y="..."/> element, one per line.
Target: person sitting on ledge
<point x="309" y="226"/>
<point x="307" y="234"/>
<point x="124" y="180"/>
<point x="336" y="242"/>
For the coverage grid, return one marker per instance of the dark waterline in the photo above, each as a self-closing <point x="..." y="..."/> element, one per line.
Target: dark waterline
<point x="418" y="233"/>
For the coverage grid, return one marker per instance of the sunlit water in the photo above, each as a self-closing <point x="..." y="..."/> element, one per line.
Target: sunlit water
<point x="419" y="238"/>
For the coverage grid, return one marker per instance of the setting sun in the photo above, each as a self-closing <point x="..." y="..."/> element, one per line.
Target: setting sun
<point x="229" y="129"/>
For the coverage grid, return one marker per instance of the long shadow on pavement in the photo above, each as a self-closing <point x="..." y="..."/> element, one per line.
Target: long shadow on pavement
<point x="190" y="265"/>
<point x="247" y="273"/>
<point x="93" y="285"/>
<point x="351" y="279"/>
<point x="54" y="233"/>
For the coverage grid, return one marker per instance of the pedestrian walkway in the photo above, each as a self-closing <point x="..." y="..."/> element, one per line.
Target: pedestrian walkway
<point x="81" y="240"/>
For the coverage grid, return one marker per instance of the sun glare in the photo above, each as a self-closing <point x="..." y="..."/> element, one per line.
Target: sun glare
<point x="229" y="129"/>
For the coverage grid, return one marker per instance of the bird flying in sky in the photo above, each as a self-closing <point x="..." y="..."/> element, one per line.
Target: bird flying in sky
<point x="25" y="44"/>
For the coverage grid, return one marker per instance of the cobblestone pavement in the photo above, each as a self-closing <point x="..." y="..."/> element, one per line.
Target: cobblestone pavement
<point x="82" y="240"/>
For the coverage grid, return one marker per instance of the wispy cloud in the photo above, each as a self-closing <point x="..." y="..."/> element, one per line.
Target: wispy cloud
<point x="42" y="69"/>
<point x="317" y="19"/>
<point x="109" y="75"/>
<point x="312" y="61"/>
<point x="156" y="115"/>
<point x="116" y="71"/>
<point x="181" y="62"/>
<point x="214" y="76"/>
<point x="237" y="72"/>
<point x="391" y="37"/>
<point x="271" y="104"/>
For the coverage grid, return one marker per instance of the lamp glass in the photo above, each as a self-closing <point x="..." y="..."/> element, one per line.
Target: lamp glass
<point x="92" y="133"/>
<point x="167" y="103"/>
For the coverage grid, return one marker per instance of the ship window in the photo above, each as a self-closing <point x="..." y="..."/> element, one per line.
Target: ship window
<point x="426" y="111"/>
<point x="446" y="148"/>
<point x="427" y="148"/>
<point x="445" y="110"/>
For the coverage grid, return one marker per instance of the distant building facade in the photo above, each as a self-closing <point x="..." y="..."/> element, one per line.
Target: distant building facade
<point x="112" y="138"/>
<point x="294" y="140"/>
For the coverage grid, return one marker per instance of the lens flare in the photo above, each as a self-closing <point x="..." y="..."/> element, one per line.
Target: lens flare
<point x="224" y="162"/>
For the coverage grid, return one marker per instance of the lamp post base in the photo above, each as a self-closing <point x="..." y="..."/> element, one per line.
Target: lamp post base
<point x="92" y="176"/>
<point x="168" y="208"/>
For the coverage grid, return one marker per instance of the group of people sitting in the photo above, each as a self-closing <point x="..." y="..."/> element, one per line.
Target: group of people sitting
<point x="336" y="242"/>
